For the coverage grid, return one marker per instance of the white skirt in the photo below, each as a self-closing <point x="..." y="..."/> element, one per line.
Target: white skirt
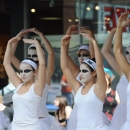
<point x="126" y="126"/>
<point x="37" y="126"/>
<point x="95" y="127"/>
<point x="119" y="117"/>
<point x="52" y="123"/>
<point x="4" y="121"/>
<point x="72" y="121"/>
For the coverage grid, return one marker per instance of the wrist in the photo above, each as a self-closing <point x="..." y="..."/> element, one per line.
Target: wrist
<point x="120" y="27"/>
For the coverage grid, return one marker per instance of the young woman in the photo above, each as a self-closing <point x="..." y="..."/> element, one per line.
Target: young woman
<point x="32" y="53"/>
<point x="90" y="96"/>
<point x="27" y="96"/>
<point x="120" y="111"/>
<point x="63" y="113"/>
<point x="124" y="62"/>
<point x="84" y="52"/>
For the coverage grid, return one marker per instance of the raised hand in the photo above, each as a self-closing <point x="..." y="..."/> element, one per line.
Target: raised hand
<point x="123" y="21"/>
<point x="35" y="30"/>
<point x="14" y="40"/>
<point x="88" y="36"/>
<point x="65" y="40"/>
<point x="72" y="29"/>
<point x="31" y="41"/>
<point x="86" y="30"/>
<point x="22" y="33"/>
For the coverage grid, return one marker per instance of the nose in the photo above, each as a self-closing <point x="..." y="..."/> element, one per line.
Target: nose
<point x="82" y="57"/>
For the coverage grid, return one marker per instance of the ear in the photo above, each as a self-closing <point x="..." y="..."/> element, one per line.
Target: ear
<point x="94" y="73"/>
<point x="35" y="72"/>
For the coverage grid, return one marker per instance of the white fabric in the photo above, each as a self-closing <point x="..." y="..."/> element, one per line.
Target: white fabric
<point x="72" y="121"/>
<point x="122" y="88"/>
<point x="126" y="125"/>
<point x="120" y="111"/>
<point x="25" y="111"/>
<point x="33" y="64"/>
<point x="31" y="46"/>
<point x="42" y="110"/>
<point x="84" y="47"/>
<point x="89" y="111"/>
<point x="52" y="123"/>
<point x="4" y="121"/>
<point x="90" y="63"/>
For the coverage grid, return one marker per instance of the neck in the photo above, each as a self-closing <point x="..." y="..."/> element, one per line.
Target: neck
<point x="89" y="83"/>
<point x="29" y="83"/>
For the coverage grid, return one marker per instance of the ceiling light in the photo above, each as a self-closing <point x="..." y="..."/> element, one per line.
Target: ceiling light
<point x="76" y="20"/>
<point x="97" y="7"/>
<point x="33" y="10"/>
<point x="69" y="20"/>
<point x="88" y="8"/>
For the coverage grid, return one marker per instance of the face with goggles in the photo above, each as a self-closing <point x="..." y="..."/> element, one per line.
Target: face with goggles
<point x="128" y="54"/>
<point x="83" y="55"/>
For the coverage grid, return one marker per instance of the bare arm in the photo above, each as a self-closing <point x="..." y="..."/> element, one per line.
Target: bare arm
<point x="50" y="63"/>
<point x="106" y="51"/>
<point x="15" y="61"/>
<point x="72" y="66"/>
<point x="7" y="63"/>
<point x="68" y="110"/>
<point x="64" y="64"/>
<point x="89" y="31"/>
<point x="118" y="52"/>
<point x="41" y="80"/>
<point x="101" y="84"/>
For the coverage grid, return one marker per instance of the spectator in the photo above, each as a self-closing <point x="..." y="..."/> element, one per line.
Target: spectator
<point x="64" y="111"/>
<point x="66" y="90"/>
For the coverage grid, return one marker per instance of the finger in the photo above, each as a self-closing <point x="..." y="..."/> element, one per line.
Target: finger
<point x="28" y="40"/>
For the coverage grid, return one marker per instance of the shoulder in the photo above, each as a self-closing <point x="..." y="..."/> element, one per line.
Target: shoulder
<point x="68" y="108"/>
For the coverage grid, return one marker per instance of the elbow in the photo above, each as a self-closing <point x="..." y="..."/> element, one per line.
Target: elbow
<point x="105" y="51"/>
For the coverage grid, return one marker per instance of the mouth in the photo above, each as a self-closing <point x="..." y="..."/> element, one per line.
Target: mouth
<point x="81" y="78"/>
<point x="23" y="78"/>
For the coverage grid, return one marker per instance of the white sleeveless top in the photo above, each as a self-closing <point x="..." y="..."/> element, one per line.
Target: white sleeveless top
<point x="122" y="88"/>
<point x="25" y="107"/>
<point x="89" y="109"/>
<point x="42" y="111"/>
